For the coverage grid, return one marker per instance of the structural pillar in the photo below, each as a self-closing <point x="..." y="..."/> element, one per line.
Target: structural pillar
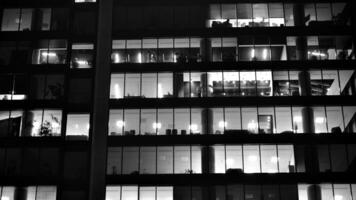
<point x="205" y="50"/>
<point x="20" y="193"/>
<point x="314" y="192"/>
<point x="98" y="156"/>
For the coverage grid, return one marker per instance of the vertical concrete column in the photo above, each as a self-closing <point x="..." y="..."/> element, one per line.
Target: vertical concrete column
<point x="208" y="160"/>
<point x="178" y="85"/>
<point x="308" y="120"/>
<point x="206" y="50"/>
<point x="314" y="192"/>
<point x="207" y="121"/>
<point x="304" y="83"/>
<point x="20" y="193"/>
<point x="97" y="184"/>
<point x="311" y="159"/>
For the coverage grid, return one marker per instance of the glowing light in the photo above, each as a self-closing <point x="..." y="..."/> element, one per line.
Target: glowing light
<point x="117" y="91"/>
<point x="5" y="198"/>
<point x="50" y="54"/>
<point x="252" y="53"/>
<point x="252" y="158"/>
<point x="222" y="124"/>
<point x="252" y="125"/>
<point x="139" y="57"/>
<point x="160" y="94"/>
<point x="157" y="125"/>
<point x="116" y="58"/>
<point x="319" y="120"/>
<point x="120" y="123"/>
<point x="314" y="53"/>
<point x="264" y="54"/>
<point x="338" y="197"/>
<point x="298" y="119"/>
<point x="230" y="161"/>
<point x="258" y="19"/>
<point x="193" y="127"/>
<point x="88" y="126"/>
<point x="76" y="126"/>
<point x="274" y="159"/>
<point x="82" y="62"/>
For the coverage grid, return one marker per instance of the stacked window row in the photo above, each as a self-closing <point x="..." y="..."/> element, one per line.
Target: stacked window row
<point x="48" y="19"/>
<point x="247" y="158"/>
<point x="232" y="49"/>
<point x="327" y="191"/>
<point x="30" y="192"/>
<point x="43" y="122"/>
<point x="232" y="84"/>
<point x="232" y="120"/>
<point x="177" y="17"/>
<point x="46" y="52"/>
<point x="44" y="87"/>
<point x="276" y="14"/>
<point x="188" y="159"/>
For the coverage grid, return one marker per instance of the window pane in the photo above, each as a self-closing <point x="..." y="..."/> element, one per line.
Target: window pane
<point x="218" y="121"/>
<point x="117" y="86"/>
<point x="165" y="122"/>
<point x="196" y="160"/>
<point x="286" y="158"/>
<point x="149" y="85"/>
<point x="82" y="56"/>
<point x="164" y="193"/>
<point x="165" y="85"/>
<point x="182" y="160"/>
<point x="269" y="159"/>
<point x="196" y="119"/>
<point x="114" y="161"/>
<point x="132" y="85"/>
<point x="219" y="159"/>
<point x="113" y="193"/>
<point x="181" y="122"/>
<point x="233" y="119"/>
<point x="164" y="160"/>
<point x="234" y="158"/>
<point x="249" y="119"/>
<point x="129" y="193"/>
<point x="10" y="20"/>
<point x="26" y="19"/>
<point x="147" y="160"/>
<point x="78" y="125"/>
<point x="260" y="15"/>
<point x="251" y="159"/>
<point x="149" y="124"/>
<point x="283" y="120"/>
<point x="132" y="122"/>
<point x="338" y="158"/>
<point x="130" y="161"/>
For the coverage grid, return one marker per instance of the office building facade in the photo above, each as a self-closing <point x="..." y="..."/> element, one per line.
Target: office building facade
<point x="177" y="100"/>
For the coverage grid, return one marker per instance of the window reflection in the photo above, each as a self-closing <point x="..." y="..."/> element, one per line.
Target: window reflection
<point x="82" y="56"/>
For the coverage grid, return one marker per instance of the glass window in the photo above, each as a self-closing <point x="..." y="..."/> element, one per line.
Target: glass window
<point x="78" y="125"/>
<point x="164" y="193"/>
<point x="260" y="15"/>
<point x="164" y="160"/>
<point x="253" y="192"/>
<point x="117" y="86"/>
<point x="50" y="52"/>
<point x="149" y="124"/>
<point x="283" y="120"/>
<point x="264" y="83"/>
<point x="195" y="126"/>
<point x="219" y="123"/>
<point x="42" y="123"/>
<point x="13" y="87"/>
<point x="26" y="19"/>
<point x="149" y="50"/>
<point x="118" y="51"/>
<point x="60" y="19"/>
<point x="80" y="90"/>
<point x="334" y="119"/>
<point x="46" y="193"/>
<point x="234" y="158"/>
<point x="248" y="83"/>
<point x="310" y="16"/>
<point x="132" y="85"/>
<point x="232" y="119"/>
<point x="82" y="55"/>
<point x="149" y="85"/>
<point x="129" y="193"/>
<point x="244" y="15"/>
<point x="4" y="123"/>
<point x="215" y="84"/>
<point x="165" y="122"/>
<point x="276" y="17"/>
<point x="165" y="50"/>
<point x="270" y="192"/>
<point x="320" y="120"/>
<point x="266" y="120"/>
<point x="182" y="160"/>
<point x="338" y="157"/>
<point x="231" y="83"/>
<point x="298" y="120"/>
<point x="8" y="193"/>
<point x="285" y="159"/>
<point x="165" y="85"/>
<point x="323" y="11"/>
<point x="251" y="159"/>
<point x="249" y="120"/>
<point x="131" y="122"/>
<point x="324" y="158"/>
<point x="196" y="155"/>
<point x="147" y="193"/>
<point x="114" y="161"/>
<point x="269" y="159"/>
<point x="219" y="159"/>
<point x="10" y="20"/>
<point x="288" y="14"/>
<point x="113" y="193"/>
<point x="342" y="191"/>
<point x="130" y="161"/>
<point x="147" y="160"/>
<point x="182" y="122"/>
